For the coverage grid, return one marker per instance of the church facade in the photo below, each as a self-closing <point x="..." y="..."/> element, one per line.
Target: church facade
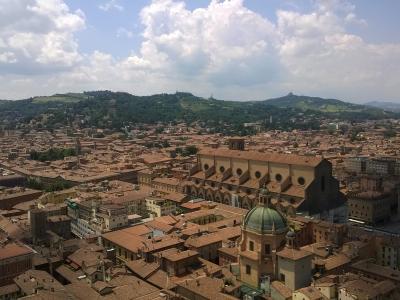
<point x="298" y="184"/>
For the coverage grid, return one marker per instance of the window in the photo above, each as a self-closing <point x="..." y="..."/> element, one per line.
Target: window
<point x="248" y="270"/>
<point x="267" y="249"/>
<point x="239" y="171"/>
<point x="278" y="177"/>
<point x="206" y="167"/>
<point x="282" y="277"/>
<point x="251" y="246"/>
<point x="257" y="174"/>
<point x="301" y="180"/>
<point x="222" y="169"/>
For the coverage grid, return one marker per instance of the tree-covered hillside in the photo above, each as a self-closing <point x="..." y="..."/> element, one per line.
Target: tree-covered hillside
<point x="105" y="109"/>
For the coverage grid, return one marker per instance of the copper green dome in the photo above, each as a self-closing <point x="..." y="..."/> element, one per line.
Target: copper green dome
<point x="263" y="219"/>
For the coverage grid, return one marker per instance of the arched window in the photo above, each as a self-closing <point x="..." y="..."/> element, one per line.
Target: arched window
<point x="239" y="171"/>
<point x="257" y="174"/>
<point x="206" y="167"/>
<point x="301" y="180"/>
<point x="222" y="169"/>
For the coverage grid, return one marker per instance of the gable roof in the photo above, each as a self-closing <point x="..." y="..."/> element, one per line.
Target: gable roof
<point x="291" y="159"/>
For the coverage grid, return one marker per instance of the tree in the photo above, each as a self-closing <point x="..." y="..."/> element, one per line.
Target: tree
<point x="159" y="130"/>
<point x="165" y="144"/>
<point x="389" y="133"/>
<point x="52" y="154"/>
<point x="190" y="150"/>
<point x="178" y="150"/>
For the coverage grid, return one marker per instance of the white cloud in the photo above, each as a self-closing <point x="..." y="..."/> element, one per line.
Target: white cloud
<point x="123" y="32"/>
<point x="8" y="57"/>
<point x="111" y="5"/>
<point x="37" y="36"/>
<point x="224" y="48"/>
<point x="223" y="42"/>
<point x="325" y="59"/>
<point x="352" y="18"/>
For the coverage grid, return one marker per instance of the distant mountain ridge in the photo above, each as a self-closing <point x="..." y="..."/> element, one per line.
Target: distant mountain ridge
<point x="386" y="105"/>
<point x="106" y="109"/>
<point x="313" y="103"/>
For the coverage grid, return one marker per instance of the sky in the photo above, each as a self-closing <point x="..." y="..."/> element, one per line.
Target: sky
<point x="230" y="49"/>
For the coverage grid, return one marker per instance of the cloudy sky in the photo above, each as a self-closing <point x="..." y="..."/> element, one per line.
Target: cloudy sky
<point x="232" y="49"/>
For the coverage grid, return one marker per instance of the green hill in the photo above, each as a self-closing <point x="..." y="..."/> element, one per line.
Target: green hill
<point x="388" y="106"/>
<point x="66" y="98"/>
<point x="105" y="109"/>
<point x="317" y="104"/>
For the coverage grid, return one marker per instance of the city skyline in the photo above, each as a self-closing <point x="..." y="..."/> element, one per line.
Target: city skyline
<point x="236" y="50"/>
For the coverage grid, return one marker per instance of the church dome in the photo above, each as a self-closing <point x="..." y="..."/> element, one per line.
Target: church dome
<point x="263" y="219"/>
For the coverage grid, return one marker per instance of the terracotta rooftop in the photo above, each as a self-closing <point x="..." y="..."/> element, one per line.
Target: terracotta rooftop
<point x="282" y="289"/>
<point x="181" y="255"/>
<point x="141" y="267"/>
<point x="312" y="293"/>
<point x="232" y="251"/>
<point x="311" y="161"/>
<point x="293" y="254"/>
<point x="364" y="289"/>
<point x="86" y="256"/>
<point x="166" y="180"/>
<point x="13" y="249"/>
<point x="32" y="280"/>
<point x="368" y="266"/>
<point x="134" y="243"/>
<point x="206" y="287"/>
